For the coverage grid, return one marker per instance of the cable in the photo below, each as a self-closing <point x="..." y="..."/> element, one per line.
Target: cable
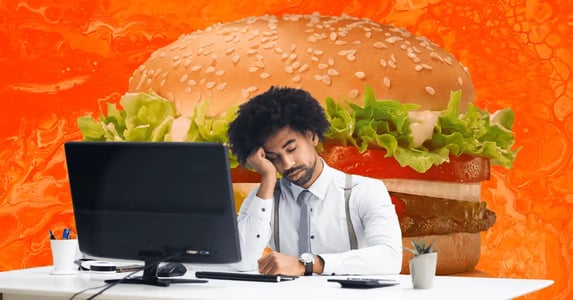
<point x="110" y="285"/>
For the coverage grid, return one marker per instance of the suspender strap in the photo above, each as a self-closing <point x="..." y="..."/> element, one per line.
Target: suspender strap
<point x="351" y="232"/>
<point x="277" y="198"/>
<point x="347" y="192"/>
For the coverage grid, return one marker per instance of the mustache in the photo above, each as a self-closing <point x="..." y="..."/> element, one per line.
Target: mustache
<point x="288" y="172"/>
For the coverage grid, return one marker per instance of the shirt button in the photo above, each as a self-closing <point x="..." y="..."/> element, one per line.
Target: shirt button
<point x="312" y="237"/>
<point x="258" y="235"/>
<point x="263" y="209"/>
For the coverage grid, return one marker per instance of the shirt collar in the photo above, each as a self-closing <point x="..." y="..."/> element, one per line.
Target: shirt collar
<point x="320" y="186"/>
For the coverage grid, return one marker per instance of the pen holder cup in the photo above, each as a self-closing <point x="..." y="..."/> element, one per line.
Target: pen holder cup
<point x="63" y="256"/>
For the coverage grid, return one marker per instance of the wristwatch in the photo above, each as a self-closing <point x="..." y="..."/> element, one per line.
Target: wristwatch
<point x="307" y="260"/>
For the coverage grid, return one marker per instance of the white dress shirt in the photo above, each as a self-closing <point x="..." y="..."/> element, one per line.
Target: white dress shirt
<point x="371" y="210"/>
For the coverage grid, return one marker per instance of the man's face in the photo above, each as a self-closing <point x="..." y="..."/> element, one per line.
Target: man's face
<point x="294" y="156"/>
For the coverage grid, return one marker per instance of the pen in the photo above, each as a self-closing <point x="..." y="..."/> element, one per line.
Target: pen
<point x="52" y="237"/>
<point x="65" y="234"/>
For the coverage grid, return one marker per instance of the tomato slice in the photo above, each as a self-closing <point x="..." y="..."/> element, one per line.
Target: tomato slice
<point x="372" y="163"/>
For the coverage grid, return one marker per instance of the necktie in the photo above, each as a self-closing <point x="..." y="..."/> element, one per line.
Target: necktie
<point x="304" y="226"/>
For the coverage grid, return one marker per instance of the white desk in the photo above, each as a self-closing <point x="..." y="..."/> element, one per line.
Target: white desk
<point x="37" y="283"/>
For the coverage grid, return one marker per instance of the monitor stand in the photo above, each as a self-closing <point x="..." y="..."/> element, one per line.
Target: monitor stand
<point x="150" y="276"/>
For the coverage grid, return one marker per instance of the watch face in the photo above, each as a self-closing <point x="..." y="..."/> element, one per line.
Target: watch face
<point x="306" y="257"/>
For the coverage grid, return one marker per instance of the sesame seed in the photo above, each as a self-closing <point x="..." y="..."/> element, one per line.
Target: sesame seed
<point x="418" y="68"/>
<point x="430" y="90"/>
<point x="460" y="80"/>
<point x="210" y="69"/>
<point x="331" y="62"/>
<point x="278" y="50"/>
<point x="339" y="43"/>
<point x="322" y="66"/>
<point x="196" y="68"/>
<point x="295" y="65"/>
<point x="333" y="36"/>
<point x="162" y="83"/>
<point x="251" y="52"/>
<point x="380" y="45"/>
<point x="332" y="72"/>
<point x="360" y="74"/>
<point x="353" y="93"/>
<point x="296" y="78"/>
<point x="303" y="68"/>
<point x="383" y="62"/>
<point x="289" y="69"/>
<point x="318" y="77"/>
<point x="265" y="75"/>
<point x="260" y="64"/>
<point x="220" y="73"/>
<point x="326" y="79"/>
<point x="229" y="51"/>
<point x="192" y="82"/>
<point x="284" y="56"/>
<point x="318" y="52"/>
<point x="426" y="66"/>
<point x="315" y="59"/>
<point x="436" y="56"/>
<point x="221" y="86"/>
<point x="253" y="69"/>
<point x="387" y="81"/>
<point x="392" y="64"/>
<point x="183" y="78"/>
<point x="351" y="57"/>
<point x="235" y="59"/>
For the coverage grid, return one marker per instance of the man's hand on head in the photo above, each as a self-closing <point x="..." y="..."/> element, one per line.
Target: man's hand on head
<point x="258" y="161"/>
<point x="277" y="263"/>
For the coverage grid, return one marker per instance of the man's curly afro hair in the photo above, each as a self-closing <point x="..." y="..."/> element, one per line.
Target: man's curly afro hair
<point x="270" y="111"/>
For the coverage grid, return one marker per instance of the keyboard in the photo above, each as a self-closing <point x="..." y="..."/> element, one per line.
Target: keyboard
<point x="243" y="276"/>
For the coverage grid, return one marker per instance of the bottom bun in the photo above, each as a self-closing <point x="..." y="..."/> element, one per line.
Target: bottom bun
<point x="457" y="252"/>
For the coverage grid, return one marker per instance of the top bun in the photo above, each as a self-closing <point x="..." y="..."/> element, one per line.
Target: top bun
<point x="327" y="56"/>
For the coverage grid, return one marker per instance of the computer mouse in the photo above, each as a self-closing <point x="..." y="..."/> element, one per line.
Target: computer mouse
<point x="171" y="269"/>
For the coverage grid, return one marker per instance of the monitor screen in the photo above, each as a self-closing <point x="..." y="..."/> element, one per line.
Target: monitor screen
<point x="153" y="200"/>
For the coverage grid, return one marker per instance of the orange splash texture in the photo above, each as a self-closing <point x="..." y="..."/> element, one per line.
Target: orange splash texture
<point x="58" y="59"/>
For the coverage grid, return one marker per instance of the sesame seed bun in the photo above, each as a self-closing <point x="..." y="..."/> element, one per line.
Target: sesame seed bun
<point x="327" y="56"/>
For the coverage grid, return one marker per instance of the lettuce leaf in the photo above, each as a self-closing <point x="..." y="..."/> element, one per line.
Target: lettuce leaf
<point x="377" y="124"/>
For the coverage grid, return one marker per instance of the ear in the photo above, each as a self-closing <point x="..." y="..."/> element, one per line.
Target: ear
<point x="313" y="137"/>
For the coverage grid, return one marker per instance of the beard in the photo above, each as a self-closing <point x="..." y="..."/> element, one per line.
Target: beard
<point x="307" y="173"/>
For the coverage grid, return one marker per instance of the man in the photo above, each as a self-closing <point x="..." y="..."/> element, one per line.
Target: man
<point x="277" y="132"/>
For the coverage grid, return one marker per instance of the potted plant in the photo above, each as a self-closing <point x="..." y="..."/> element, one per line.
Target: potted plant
<point x="423" y="264"/>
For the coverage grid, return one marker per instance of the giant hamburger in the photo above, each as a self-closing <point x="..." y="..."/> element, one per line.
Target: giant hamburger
<point x="400" y="109"/>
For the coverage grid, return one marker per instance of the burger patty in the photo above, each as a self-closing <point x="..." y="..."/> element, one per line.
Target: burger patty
<point x="434" y="216"/>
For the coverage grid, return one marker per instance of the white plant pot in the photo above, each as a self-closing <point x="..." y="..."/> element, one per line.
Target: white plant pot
<point x="423" y="270"/>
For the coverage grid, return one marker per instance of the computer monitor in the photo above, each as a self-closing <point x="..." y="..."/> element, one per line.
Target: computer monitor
<point x="153" y="201"/>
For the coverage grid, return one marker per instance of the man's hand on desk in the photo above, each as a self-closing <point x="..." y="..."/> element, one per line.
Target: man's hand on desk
<point x="275" y="263"/>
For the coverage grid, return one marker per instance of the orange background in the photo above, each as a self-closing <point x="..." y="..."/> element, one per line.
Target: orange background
<point x="59" y="58"/>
